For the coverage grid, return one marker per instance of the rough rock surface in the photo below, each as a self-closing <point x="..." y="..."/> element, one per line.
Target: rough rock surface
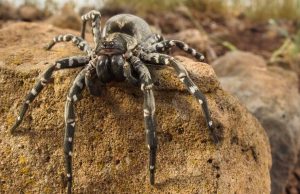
<point x="110" y="155"/>
<point x="271" y="94"/>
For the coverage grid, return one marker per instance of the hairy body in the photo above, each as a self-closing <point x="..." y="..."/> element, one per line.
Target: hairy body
<point x="123" y="51"/>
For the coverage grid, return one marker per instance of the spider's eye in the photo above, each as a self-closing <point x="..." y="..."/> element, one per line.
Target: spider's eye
<point x="108" y="43"/>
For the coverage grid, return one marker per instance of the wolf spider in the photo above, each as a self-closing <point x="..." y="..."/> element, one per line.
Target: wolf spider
<point x="123" y="50"/>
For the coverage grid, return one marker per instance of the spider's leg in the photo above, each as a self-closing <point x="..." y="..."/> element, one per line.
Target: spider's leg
<point x="154" y="38"/>
<point x="167" y="44"/>
<point x="183" y="75"/>
<point x="149" y="111"/>
<point x="77" y="41"/>
<point x="95" y="16"/>
<point x="45" y="77"/>
<point x="73" y="96"/>
<point x="128" y="74"/>
<point x="92" y="81"/>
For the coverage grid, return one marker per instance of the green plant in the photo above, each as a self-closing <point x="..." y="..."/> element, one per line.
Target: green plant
<point x="277" y="9"/>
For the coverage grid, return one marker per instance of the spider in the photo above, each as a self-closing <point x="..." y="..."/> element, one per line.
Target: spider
<point x="124" y="50"/>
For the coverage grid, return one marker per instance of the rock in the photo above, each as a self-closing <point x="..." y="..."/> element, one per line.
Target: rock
<point x="67" y="18"/>
<point x="293" y="185"/>
<point x="7" y="11"/>
<point x="271" y="94"/>
<point x="28" y="12"/>
<point x="110" y="155"/>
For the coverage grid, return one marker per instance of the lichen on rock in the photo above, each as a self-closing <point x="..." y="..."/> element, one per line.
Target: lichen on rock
<point x="110" y="155"/>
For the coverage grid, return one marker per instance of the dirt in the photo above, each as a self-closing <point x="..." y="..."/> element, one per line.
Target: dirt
<point x="110" y="155"/>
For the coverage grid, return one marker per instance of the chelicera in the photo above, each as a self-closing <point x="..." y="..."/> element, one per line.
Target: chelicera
<point x="124" y="50"/>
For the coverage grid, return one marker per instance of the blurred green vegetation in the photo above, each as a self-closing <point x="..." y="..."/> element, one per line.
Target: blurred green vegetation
<point x="276" y="9"/>
<point x="289" y="50"/>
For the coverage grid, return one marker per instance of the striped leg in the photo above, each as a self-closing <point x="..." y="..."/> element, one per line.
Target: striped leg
<point x="149" y="111"/>
<point x="148" y="43"/>
<point x="128" y="74"/>
<point x="150" y="125"/>
<point x="182" y="73"/>
<point x="77" y="41"/>
<point x="92" y="81"/>
<point x="154" y="38"/>
<point x="73" y="96"/>
<point x="166" y="44"/>
<point x="72" y="62"/>
<point x="95" y="16"/>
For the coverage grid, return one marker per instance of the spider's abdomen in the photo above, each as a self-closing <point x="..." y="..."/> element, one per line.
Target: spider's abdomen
<point x="128" y="24"/>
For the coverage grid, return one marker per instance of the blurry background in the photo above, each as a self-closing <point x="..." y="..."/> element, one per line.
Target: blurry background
<point x="249" y="25"/>
<point x="238" y="37"/>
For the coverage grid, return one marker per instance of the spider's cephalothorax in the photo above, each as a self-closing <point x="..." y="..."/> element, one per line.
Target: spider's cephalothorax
<point x="121" y="51"/>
